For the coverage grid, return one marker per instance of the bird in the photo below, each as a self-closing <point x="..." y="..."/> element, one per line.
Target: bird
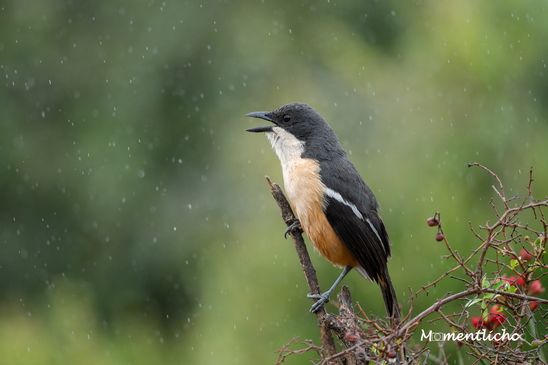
<point x="334" y="206"/>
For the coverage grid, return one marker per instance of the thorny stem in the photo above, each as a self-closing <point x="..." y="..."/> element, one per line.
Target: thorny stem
<point x="502" y="222"/>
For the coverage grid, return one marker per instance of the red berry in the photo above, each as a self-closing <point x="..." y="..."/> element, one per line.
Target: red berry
<point x="533" y="305"/>
<point x="439" y="236"/>
<point x="495" y="309"/>
<point x="477" y="322"/>
<point x="432" y="222"/>
<point x="525" y="255"/>
<point x="496" y="320"/>
<point x="512" y="280"/>
<point x="496" y="317"/>
<point x="536" y="287"/>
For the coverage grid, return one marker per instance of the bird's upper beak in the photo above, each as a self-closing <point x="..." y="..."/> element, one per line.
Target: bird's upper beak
<point x="261" y="115"/>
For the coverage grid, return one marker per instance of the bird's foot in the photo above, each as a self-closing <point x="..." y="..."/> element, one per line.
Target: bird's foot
<point x="322" y="299"/>
<point x="294" y="226"/>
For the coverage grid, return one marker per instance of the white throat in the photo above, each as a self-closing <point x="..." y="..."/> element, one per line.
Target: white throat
<point x="287" y="147"/>
<point x="289" y="150"/>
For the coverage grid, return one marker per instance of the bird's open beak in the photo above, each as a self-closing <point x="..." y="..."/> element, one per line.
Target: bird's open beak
<point x="260" y="115"/>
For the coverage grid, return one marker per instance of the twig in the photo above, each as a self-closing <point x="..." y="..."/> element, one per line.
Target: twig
<point x="433" y="308"/>
<point x="285" y="351"/>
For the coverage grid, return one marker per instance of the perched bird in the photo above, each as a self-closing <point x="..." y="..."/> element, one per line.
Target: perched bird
<point x="334" y="206"/>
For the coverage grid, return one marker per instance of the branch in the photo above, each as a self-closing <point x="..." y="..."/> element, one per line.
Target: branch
<point x="327" y="342"/>
<point x="433" y="308"/>
<point x="516" y="295"/>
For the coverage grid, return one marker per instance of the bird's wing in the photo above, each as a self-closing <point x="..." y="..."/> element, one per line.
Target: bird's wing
<point x="351" y="209"/>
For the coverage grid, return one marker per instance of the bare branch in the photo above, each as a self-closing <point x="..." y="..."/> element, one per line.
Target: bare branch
<point x="328" y="344"/>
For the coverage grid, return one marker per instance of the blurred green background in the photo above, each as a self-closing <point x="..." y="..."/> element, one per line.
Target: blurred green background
<point x="135" y="223"/>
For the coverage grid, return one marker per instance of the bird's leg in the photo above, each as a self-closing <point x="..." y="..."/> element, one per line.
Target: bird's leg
<point x="324" y="297"/>
<point x="295" y="225"/>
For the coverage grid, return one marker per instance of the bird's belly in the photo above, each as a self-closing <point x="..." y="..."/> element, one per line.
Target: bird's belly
<point x="324" y="238"/>
<point x="305" y="192"/>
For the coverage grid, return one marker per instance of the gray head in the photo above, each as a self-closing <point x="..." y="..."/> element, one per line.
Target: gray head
<point x="298" y="125"/>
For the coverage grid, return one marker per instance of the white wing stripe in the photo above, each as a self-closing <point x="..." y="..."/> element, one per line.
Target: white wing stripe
<point x="376" y="233"/>
<point x="338" y="197"/>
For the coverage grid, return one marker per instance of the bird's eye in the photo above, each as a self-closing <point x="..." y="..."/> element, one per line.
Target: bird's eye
<point x="287" y="118"/>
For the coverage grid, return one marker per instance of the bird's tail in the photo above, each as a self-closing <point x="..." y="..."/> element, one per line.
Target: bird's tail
<point x="389" y="296"/>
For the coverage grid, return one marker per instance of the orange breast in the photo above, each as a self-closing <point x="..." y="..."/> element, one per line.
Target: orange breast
<point x="325" y="239"/>
<point x="305" y="192"/>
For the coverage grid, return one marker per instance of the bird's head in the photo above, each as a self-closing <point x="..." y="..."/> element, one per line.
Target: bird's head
<point x="297" y="127"/>
<point x="300" y="120"/>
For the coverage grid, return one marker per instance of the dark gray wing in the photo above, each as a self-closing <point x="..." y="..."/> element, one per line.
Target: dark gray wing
<point x="351" y="209"/>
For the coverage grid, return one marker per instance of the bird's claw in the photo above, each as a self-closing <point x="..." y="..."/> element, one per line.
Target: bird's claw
<point x="322" y="299"/>
<point x="295" y="225"/>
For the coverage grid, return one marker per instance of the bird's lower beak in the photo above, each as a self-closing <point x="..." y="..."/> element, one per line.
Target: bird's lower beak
<point x="260" y="115"/>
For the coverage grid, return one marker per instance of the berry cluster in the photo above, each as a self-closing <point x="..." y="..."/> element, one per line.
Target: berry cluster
<point x="435" y="222"/>
<point x="494" y="319"/>
<point x="494" y="316"/>
<point x="516" y="283"/>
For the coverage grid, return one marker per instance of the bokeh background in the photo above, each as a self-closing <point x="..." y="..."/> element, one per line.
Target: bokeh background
<point x="135" y="223"/>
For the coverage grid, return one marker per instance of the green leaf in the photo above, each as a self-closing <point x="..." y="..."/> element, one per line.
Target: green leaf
<point x="513" y="263"/>
<point x="499" y="285"/>
<point x="485" y="314"/>
<point x="485" y="283"/>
